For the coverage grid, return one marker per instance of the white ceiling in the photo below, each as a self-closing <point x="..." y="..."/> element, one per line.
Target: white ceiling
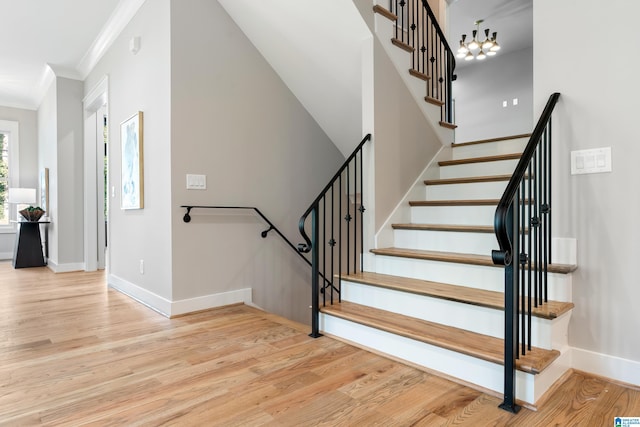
<point x="38" y="33"/>
<point x="68" y="37"/>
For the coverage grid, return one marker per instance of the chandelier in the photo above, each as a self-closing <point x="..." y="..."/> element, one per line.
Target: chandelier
<point x="476" y="49"/>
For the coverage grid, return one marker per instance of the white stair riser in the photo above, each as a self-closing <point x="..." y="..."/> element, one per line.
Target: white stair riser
<point x="466" y="170"/>
<point x="466" y="191"/>
<point x="481" y="320"/>
<point x="457" y="215"/>
<point x="467" y="368"/>
<point x="460" y="215"/>
<point x="490" y="148"/>
<point x="473" y="276"/>
<point x="446" y="241"/>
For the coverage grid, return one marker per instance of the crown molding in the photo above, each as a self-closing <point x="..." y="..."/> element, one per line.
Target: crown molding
<point x="118" y="20"/>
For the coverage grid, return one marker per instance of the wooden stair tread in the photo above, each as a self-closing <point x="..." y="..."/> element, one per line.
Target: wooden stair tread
<point x="418" y="74"/>
<point x="384" y="12"/>
<point x="447" y="227"/>
<point x="460" y="258"/>
<point x="468" y="202"/>
<point x="444" y="227"/>
<point x="402" y="45"/>
<point x="461" y="294"/>
<point x="495" y="158"/>
<point x="434" y="101"/>
<point x="472" y="344"/>
<point x="447" y="124"/>
<point x="484" y="141"/>
<point x="467" y="180"/>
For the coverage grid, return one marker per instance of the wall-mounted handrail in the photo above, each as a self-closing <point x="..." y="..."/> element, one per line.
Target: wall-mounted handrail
<point x="525" y="205"/>
<point x="263" y="234"/>
<point x="336" y="234"/>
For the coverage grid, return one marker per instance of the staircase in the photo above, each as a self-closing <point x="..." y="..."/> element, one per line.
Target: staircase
<point x="435" y="299"/>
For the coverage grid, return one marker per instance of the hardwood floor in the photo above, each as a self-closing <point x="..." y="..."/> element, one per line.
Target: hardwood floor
<point x="74" y="353"/>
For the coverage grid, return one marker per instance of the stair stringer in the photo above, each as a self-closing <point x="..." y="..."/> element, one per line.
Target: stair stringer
<point x="384" y="29"/>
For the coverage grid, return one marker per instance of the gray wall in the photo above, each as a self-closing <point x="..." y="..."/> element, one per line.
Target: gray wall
<point x="598" y="108"/>
<point x="482" y="87"/>
<point x="404" y="140"/>
<point x="235" y="121"/>
<point x="141" y="82"/>
<point x="28" y="167"/>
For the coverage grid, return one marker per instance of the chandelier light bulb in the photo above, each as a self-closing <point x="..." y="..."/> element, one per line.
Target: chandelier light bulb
<point x="496" y="46"/>
<point x="473" y="44"/>
<point x="491" y="53"/>
<point x="469" y="56"/>
<point x="488" y="43"/>
<point x="463" y="47"/>
<point x="481" y="55"/>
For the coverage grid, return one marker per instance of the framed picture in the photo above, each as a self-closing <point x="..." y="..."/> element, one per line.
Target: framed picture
<point x="44" y="190"/>
<point x="131" y="139"/>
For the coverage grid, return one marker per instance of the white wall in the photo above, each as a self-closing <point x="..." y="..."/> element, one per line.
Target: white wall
<point x="28" y="166"/>
<point x="141" y="82"/>
<point x="234" y="120"/>
<point x="482" y="87"/>
<point x="598" y="108"/>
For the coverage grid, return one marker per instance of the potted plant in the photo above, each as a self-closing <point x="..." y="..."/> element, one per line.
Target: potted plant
<point x="32" y="214"/>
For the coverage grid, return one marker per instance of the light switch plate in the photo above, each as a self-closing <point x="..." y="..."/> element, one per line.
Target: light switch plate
<point x="196" y="182"/>
<point x="595" y="160"/>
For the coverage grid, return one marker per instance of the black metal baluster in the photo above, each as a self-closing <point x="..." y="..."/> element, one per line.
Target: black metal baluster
<point x="332" y="242"/>
<point x="540" y="262"/>
<point x="362" y="209"/>
<point x="523" y="260"/>
<point x="550" y="189"/>
<point x="347" y="218"/>
<point x="545" y="215"/>
<point x="315" y="309"/>
<point x="340" y="229"/>
<point x="530" y="255"/>
<point x="423" y="48"/>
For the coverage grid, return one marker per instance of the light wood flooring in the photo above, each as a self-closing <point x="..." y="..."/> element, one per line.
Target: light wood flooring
<point x="75" y="353"/>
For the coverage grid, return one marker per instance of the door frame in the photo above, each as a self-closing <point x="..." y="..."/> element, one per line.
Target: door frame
<point x="96" y="99"/>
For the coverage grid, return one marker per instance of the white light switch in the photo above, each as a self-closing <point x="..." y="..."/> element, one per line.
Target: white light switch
<point x="196" y="182"/>
<point x="595" y="160"/>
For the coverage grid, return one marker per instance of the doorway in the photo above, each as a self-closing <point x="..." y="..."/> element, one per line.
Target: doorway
<point x="96" y="178"/>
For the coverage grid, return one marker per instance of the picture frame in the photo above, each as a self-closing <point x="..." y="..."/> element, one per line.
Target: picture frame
<point x="131" y="140"/>
<point x="44" y="190"/>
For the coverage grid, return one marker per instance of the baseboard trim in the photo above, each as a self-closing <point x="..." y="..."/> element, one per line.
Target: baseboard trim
<point x="205" y="302"/>
<point x="6" y="255"/>
<point x="177" y="308"/>
<point x="65" y="268"/>
<point x="621" y="370"/>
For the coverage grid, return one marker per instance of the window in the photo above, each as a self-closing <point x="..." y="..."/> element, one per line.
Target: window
<point x="8" y="169"/>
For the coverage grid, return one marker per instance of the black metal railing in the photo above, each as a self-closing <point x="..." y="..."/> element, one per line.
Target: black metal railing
<point x="263" y="234"/>
<point x="418" y="28"/>
<point x="336" y="228"/>
<point x="523" y="228"/>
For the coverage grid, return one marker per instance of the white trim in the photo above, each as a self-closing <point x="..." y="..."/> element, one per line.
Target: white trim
<point x="118" y="20"/>
<point x="211" y="301"/>
<point x="95" y="99"/>
<point x="65" y="268"/>
<point x="605" y="365"/>
<point x="6" y="255"/>
<point x="143" y="296"/>
<point x="174" y="308"/>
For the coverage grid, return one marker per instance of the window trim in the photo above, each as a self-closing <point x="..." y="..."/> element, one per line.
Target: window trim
<point x="12" y="128"/>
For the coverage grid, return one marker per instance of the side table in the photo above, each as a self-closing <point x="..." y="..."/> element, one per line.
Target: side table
<point x="28" y="247"/>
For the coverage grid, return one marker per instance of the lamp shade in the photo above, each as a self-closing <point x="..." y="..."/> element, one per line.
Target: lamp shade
<point x="22" y="195"/>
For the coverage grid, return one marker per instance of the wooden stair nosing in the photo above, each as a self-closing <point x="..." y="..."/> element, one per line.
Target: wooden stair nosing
<point x="435" y="102"/>
<point x="483" y="347"/>
<point x="447" y="227"/>
<point x="495" y="158"/>
<point x="469" y="180"/>
<point x="402" y="45"/>
<point x="468" y="202"/>
<point x="461" y="294"/>
<point x="418" y="74"/>
<point x="385" y="12"/>
<point x="461" y="258"/>
<point x="444" y="227"/>
<point x="447" y="125"/>
<point x="484" y="141"/>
